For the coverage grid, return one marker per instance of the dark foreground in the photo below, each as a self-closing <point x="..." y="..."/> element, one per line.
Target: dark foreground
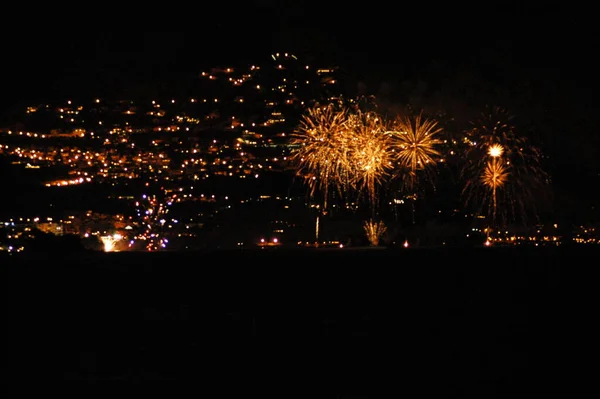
<point x="314" y="323"/>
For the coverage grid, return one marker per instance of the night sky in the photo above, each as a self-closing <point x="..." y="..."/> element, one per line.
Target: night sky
<point x="538" y="62"/>
<point x="379" y="42"/>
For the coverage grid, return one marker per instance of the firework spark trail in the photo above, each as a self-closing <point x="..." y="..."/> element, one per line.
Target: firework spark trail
<point x="374" y="231"/>
<point x="494" y="177"/>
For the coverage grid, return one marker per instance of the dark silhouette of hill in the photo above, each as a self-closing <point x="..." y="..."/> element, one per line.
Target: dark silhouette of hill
<point x="453" y="322"/>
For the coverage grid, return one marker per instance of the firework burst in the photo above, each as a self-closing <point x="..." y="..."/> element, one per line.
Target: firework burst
<point x="416" y="143"/>
<point x="495" y="150"/>
<point x="152" y="213"/>
<point x="371" y="156"/>
<point x="374" y="231"/>
<point x="502" y="171"/>
<point x="348" y="151"/>
<point x="321" y="149"/>
<point x="494" y="176"/>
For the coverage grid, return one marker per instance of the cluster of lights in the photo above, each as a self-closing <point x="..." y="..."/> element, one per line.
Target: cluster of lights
<point x="274" y="242"/>
<point x="72" y="182"/>
<point x="152" y="212"/>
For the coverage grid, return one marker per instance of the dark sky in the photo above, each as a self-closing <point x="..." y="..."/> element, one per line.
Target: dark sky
<point x="373" y="40"/>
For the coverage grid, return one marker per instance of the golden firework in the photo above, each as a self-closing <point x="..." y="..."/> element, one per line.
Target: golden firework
<point x="495" y="150"/>
<point x="502" y="171"/>
<point x="416" y="145"/>
<point x="494" y="176"/>
<point x="350" y="151"/>
<point x="374" y="231"/>
<point x="495" y="135"/>
<point x="321" y="149"/>
<point x="370" y="151"/>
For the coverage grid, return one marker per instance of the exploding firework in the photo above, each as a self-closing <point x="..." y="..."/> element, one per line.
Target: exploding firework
<point x="494" y="177"/>
<point x="110" y="242"/>
<point x="495" y="150"/>
<point x="348" y="151"/>
<point x="374" y="231"/>
<point x="371" y="156"/>
<point x="151" y="212"/>
<point x="322" y="150"/>
<point x="502" y="171"/>
<point x="416" y="145"/>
